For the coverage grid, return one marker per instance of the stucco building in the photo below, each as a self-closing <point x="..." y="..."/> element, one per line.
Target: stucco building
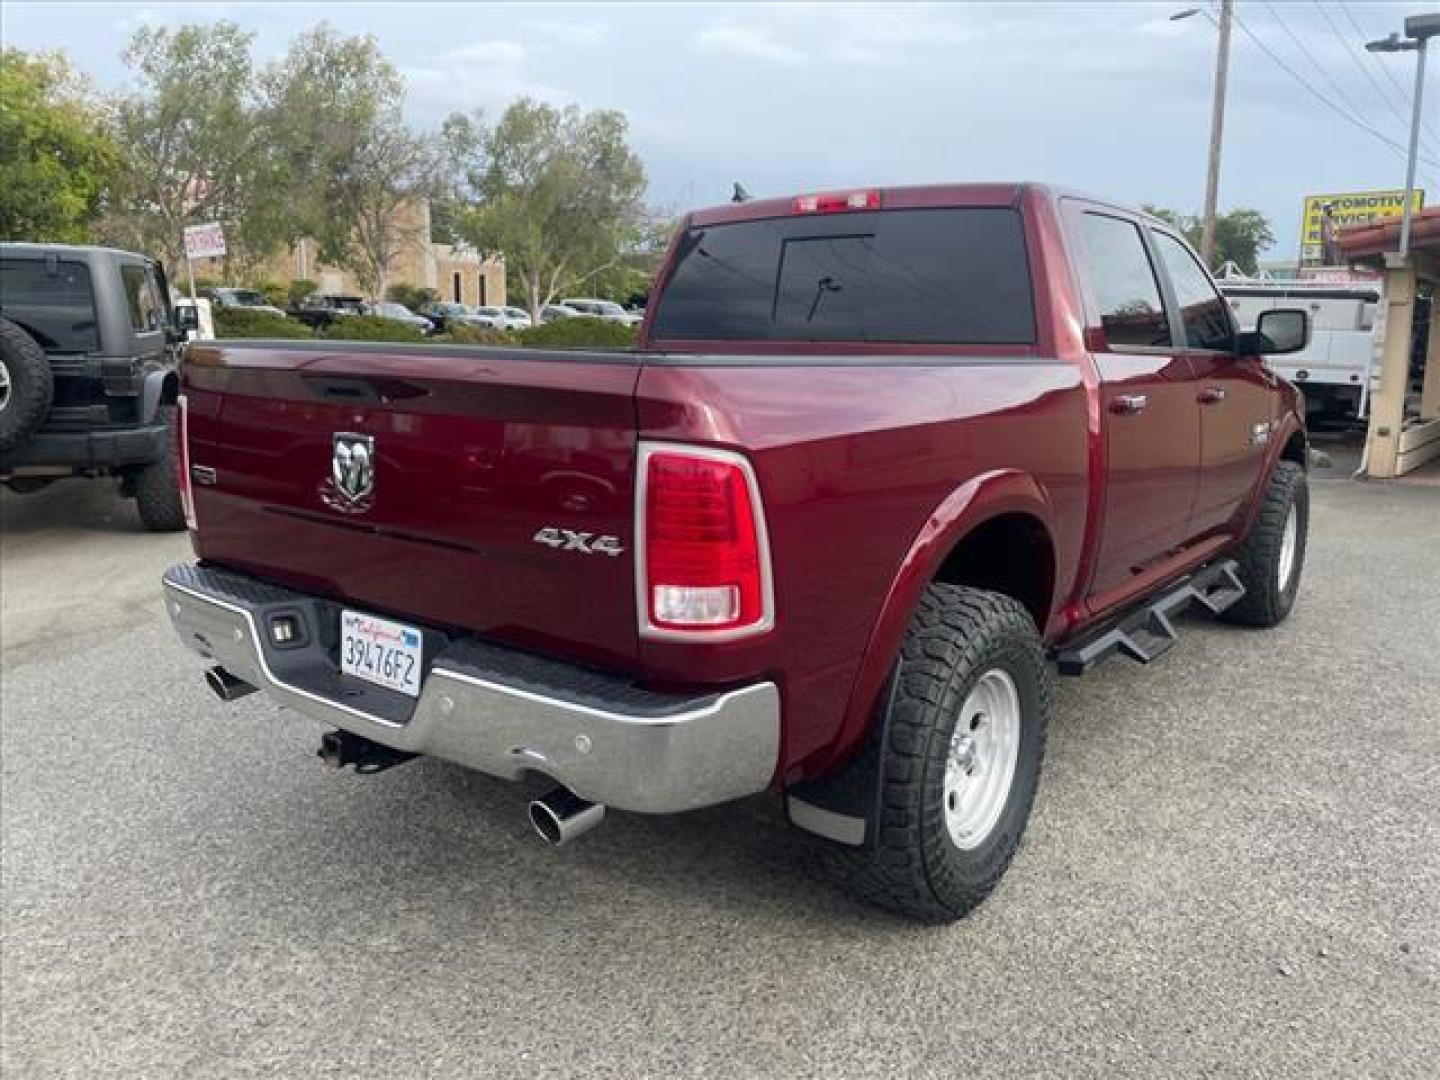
<point x="454" y="273"/>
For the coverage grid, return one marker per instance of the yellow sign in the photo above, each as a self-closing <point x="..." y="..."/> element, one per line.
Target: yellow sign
<point x="1346" y="208"/>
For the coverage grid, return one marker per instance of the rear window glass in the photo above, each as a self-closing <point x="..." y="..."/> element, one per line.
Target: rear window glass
<point x="57" y="308"/>
<point x="945" y="276"/>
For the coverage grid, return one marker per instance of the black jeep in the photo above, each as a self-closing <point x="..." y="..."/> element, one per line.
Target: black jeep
<point x="88" y="348"/>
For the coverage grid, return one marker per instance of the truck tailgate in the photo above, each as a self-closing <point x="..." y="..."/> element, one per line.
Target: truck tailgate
<point x="440" y="484"/>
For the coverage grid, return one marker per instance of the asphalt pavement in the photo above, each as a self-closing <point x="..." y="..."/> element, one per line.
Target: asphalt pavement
<point x="1233" y="868"/>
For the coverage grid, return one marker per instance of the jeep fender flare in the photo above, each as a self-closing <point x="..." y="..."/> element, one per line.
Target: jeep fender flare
<point x="972" y="504"/>
<point x="159" y="388"/>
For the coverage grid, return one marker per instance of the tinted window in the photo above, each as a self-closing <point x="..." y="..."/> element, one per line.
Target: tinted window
<point x="926" y="276"/>
<point x="140" y="298"/>
<point x="58" y="308"/>
<point x="1204" y="311"/>
<point x="1123" y="282"/>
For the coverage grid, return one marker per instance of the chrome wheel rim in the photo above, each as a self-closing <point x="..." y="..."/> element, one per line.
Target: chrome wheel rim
<point x="980" y="767"/>
<point x="4" y="387"/>
<point x="1289" y="541"/>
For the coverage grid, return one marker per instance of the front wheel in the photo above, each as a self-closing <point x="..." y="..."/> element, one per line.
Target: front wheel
<point x="1273" y="553"/>
<point x="965" y="734"/>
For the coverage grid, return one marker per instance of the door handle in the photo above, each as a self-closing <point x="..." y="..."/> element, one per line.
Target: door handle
<point x="1129" y="404"/>
<point x="1211" y="394"/>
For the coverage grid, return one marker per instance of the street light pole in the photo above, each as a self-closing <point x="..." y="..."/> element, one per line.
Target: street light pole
<point x="1217" y="130"/>
<point x="1419" y="29"/>
<point x="1414" y="149"/>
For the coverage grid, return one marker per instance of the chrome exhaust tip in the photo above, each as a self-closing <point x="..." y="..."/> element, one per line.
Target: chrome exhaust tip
<point x="561" y="815"/>
<point x="226" y="686"/>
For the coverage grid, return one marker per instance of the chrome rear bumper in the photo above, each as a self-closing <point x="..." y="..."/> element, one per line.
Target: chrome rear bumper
<point x="495" y="710"/>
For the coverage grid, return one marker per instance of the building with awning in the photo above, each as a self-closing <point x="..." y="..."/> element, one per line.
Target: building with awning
<point x="1404" y="431"/>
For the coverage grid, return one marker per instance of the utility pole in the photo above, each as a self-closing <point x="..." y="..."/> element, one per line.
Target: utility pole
<point x="1217" y="131"/>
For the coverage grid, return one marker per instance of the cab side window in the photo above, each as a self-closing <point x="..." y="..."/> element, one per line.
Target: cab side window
<point x="1202" y="309"/>
<point x="141" y="299"/>
<point x="1124" y="284"/>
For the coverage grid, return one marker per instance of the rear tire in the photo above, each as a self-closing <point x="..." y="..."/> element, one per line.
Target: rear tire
<point x="965" y="737"/>
<point x="157" y="487"/>
<point x="1273" y="553"/>
<point x="27" y="386"/>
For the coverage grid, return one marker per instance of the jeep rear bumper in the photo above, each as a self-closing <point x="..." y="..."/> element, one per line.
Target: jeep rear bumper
<point x="103" y="448"/>
<point x="493" y="709"/>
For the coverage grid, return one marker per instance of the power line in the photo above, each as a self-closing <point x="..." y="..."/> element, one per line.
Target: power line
<point x="1355" y="57"/>
<point x="1320" y="97"/>
<point x="1324" y="71"/>
<point x="1405" y="97"/>
<point x="1305" y="51"/>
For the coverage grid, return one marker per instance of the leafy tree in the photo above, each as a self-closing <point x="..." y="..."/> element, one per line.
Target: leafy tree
<point x="194" y="149"/>
<point x="557" y="191"/>
<point x="1240" y="235"/>
<point x="56" y="156"/>
<point x="354" y="172"/>
<point x="413" y="297"/>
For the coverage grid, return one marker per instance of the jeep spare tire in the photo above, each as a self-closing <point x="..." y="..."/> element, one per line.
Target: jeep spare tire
<point x="26" y="386"/>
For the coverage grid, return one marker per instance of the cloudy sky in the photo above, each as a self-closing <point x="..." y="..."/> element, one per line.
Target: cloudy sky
<point x="1112" y="98"/>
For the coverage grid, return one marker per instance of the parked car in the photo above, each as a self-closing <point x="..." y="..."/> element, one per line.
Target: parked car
<point x="389" y="309"/>
<point x="319" y="310"/>
<point x="1336" y="371"/>
<point x="494" y="317"/>
<point x="551" y="312"/>
<point x="516" y="318"/>
<point x="248" y="299"/>
<point x="448" y="314"/>
<point x="602" y="309"/>
<point x="88" y="347"/>
<point x="821" y="533"/>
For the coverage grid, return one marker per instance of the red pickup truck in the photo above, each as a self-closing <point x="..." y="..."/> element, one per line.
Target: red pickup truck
<point x="880" y="458"/>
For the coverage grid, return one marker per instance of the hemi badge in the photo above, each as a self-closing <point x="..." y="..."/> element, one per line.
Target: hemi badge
<point x="202" y="474"/>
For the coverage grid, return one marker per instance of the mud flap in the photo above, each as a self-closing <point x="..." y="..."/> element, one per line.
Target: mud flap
<point x="845" y="806"/>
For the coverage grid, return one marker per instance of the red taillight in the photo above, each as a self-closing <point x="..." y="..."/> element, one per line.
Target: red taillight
<point x="837" y="201"/>
<point x="182" y="460"/>
<point x="704" y="562"/>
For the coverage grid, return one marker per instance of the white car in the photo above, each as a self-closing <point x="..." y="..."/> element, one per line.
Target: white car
<point x="601" y="309"/>
<point x="500" y="318"/>
<point x="516" y="318"/>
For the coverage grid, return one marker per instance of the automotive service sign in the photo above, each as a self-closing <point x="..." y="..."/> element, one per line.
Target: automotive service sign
<point x="1346" y="208"/>
<point x="204" y="241"/>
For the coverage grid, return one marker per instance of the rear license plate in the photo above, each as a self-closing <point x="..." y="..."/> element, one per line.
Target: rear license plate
<point x="380" y="651"/>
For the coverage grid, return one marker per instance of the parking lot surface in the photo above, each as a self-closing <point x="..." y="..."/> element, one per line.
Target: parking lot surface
<point x="1233" y="868"/>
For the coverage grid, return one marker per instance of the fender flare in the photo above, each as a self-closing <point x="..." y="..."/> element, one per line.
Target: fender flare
<point x="972" y="504"/>
<point x="159" y="388"/>
<point x="843" y="805"/>
<point x="1285" y="429"/>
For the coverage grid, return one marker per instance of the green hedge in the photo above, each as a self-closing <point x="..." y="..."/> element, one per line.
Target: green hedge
<point x="579" y="332"/>
<point x="240" y="323"/>
<point x="463" y="334"/>
<point x="371" y="328"/>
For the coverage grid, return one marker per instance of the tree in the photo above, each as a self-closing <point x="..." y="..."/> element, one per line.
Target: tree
<point x="56" y="156"/>
<point x="193" y="145"/>
<point x="356" y="176"/>
<point x="1240" y="235"/>
<point x="557" y="191"/>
